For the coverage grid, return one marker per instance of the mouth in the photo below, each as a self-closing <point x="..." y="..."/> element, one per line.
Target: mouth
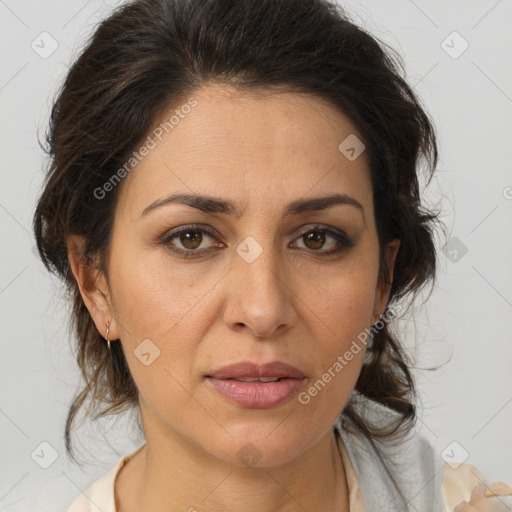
<point x="257" y="387"/>
<point x="253" y="393"/>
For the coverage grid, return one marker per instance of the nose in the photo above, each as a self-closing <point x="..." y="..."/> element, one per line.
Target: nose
<point x="260" y="298"/>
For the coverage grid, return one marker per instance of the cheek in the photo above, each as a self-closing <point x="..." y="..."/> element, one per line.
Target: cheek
<point x="153" y="297"/>
<point x="343" y="300"/>
<point x="341" y="312"/>
<point x="153" y="308"/>
<point x="339" y="348"/>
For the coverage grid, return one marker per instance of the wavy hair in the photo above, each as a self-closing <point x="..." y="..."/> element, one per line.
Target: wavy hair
<point x="148" y="55"/>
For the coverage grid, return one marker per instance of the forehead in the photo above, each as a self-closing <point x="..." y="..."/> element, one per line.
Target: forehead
<point x="270" y="146"/>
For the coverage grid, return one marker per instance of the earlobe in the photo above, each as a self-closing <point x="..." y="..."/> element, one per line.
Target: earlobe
<point x="93" y="287"/>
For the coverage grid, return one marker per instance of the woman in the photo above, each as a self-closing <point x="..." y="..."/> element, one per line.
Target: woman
<point x="233" y="202"/>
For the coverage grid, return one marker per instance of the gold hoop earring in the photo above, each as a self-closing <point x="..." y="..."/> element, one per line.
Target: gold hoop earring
<point x="106" y="335"/>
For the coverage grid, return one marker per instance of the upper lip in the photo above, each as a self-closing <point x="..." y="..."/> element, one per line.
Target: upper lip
<point x="253" y="370"/>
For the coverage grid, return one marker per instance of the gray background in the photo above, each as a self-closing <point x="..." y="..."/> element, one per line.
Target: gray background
<point x="467" y="320"/>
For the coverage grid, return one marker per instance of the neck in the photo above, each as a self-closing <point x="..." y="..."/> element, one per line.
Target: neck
<point x="173" y="475"/>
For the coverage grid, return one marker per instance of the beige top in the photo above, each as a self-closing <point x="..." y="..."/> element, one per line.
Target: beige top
<point x="462" y="488"/>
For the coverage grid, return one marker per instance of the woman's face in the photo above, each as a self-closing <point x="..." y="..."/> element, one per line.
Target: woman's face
<point x="257" y="286"/>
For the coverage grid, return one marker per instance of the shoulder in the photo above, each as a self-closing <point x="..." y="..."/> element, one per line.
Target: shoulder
<point x="99" y="496"/>
<point x="464" y="488"/>
<point x="398" y="472"/>
<point x="412" y="470"/>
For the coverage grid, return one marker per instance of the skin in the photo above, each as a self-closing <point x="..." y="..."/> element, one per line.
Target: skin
<point x="289" y="304"/>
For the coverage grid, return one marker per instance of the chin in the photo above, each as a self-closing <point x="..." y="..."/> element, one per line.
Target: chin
<point x="261" y="447"/>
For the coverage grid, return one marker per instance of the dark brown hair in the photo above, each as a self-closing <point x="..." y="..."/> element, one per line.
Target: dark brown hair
<point x="151" y="54"/>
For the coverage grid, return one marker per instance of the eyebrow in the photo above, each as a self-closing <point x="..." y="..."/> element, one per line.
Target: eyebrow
<point x="211" y="204"/>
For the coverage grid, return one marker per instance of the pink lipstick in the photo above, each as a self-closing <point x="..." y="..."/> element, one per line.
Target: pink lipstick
<point x="257" y="387"/>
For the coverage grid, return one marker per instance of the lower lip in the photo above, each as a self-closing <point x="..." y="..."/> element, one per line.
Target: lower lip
<point x="257" y="395"/>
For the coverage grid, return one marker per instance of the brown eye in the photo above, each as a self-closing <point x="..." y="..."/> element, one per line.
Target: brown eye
<point x="314" y="239"/>
<point x="187" y="241"/>
<point x="191" y="239"/>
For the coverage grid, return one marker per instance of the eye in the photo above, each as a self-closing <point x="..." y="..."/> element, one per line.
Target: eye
<point x="315" y="238"/>
<point x="190" y="238"/>
<point x="188" y="241"/>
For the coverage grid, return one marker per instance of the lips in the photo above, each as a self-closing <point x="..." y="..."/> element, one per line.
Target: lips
<point x="249" y="370"/>
<point x="257" y="387"/>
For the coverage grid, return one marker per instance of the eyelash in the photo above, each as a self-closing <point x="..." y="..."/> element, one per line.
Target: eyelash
<point x="340" y="237"/>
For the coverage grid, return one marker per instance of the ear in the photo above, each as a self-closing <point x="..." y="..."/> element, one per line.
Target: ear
<point x="93" y="288"/>
<point x="383" y="289"/>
